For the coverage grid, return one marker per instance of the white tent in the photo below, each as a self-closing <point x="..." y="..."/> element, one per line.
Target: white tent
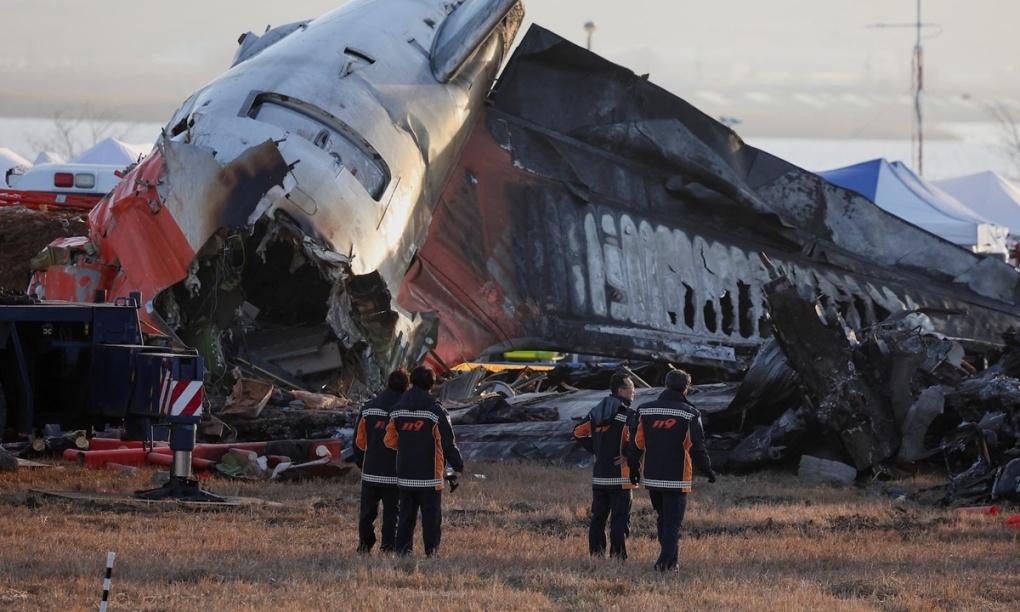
<point x="9" y="159"/>
<point x="989" y="195"/>
<point x="47" y="157"/>
<point x="112" y="151"/>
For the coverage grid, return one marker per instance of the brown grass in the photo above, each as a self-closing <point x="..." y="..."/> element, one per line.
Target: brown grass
<point x="513" y="540"/>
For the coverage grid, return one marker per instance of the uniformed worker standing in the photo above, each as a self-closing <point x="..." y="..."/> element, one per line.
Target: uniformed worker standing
<point x="667" y="433"/>
<point x="604" y="432"/>
<point x="421" y="433"/>
<point x="378" y="465"/>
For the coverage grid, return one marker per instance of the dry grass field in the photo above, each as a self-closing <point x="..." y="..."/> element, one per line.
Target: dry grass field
<point x="515" y="539"/>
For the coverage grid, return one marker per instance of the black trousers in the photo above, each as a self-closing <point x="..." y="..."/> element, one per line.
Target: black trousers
<point x="670" y="507"/>
<point x="430" y="502"/>
<point x="371" y="495"/>
<point x="612" y="505"/>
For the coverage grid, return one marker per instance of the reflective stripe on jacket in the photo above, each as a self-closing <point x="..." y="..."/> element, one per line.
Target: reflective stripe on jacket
<point x="419" y="430"/>
<point x="607" y="440"/>
<point x="668" y="436"/>
<point x="378" y="463"/>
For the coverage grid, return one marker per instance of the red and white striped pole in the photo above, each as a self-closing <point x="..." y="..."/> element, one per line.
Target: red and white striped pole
<point x="106" y="581"/>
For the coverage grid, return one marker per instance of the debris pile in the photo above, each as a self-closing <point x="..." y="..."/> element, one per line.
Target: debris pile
<point x="24" y="233"/>
<point x="875" y="400"/>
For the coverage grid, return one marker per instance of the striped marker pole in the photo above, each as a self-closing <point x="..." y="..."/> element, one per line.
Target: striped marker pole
<point x="106" y="581"/>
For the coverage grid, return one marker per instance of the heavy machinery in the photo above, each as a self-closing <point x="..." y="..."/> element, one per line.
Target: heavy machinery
<point x="72" y="365"/>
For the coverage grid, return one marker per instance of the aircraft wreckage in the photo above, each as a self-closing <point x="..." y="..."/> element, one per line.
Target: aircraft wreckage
<point x="592" y="211"/>
<point x="359" y="190"/>
<point x="832" y="403"/>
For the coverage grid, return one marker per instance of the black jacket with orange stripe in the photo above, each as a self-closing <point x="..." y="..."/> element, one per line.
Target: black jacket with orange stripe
<point x="421" y="433"/>
<point x="377" y="462"/>
<point x="604" y="432"/>
<point x="668" y="435"/>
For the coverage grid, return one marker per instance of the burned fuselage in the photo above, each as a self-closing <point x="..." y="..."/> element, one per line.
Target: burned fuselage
<point x="597" y="213"/>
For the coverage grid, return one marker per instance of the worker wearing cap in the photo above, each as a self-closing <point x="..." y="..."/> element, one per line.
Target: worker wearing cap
<point x="604" y="432"/>
<point x="667" y="434"/>
<point x="378" y="465"/>
<point x="420" y="431"/>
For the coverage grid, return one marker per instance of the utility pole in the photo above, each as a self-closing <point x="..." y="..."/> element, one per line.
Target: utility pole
<point x="917" y="65"/>
<point x="919" y="93"/>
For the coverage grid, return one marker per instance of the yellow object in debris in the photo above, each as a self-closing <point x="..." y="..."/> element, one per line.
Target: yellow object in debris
<point x="502" y="367"/>
<point x="532" y="356"/>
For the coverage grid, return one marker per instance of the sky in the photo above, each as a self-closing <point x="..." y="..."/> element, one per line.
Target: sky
<point x="782" y="67"/>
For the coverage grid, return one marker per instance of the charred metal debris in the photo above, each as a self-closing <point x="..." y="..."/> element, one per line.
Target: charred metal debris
<point x="876" y="400"/>
<point x="833" y="402"/>
<point x="583" y="209"/>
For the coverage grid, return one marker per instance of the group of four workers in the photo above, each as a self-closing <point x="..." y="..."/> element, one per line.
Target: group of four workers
<point x="404" y="441"/>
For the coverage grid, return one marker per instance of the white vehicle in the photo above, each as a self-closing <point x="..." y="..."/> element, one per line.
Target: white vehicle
<point x="80" y="179"/>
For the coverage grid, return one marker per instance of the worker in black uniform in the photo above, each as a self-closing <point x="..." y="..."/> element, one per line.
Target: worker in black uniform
<point x="604" y="432"/>
<point x="667" y="434"/>
<point x="421" y="433"/>
<point x="378" y="465"/>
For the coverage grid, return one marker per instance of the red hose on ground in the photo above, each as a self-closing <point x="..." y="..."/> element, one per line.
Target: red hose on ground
<point x="131" y="457"/>
<point x="96" y="459"/>
<point x="115" y="444"/>
<point x="202" y="457"/>
<point x="158" y="457"/>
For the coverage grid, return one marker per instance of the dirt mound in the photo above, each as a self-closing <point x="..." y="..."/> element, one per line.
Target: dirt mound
<point x="24" y="233"/>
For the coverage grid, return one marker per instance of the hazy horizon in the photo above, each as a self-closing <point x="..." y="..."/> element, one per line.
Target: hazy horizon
<point x="785" y="67"/>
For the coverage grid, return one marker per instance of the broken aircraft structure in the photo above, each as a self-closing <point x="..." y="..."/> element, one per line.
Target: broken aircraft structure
<point x="292" y="192"/>
<point x="345" y="198"/>
<point x="873" y="398"/>
<point x="595" y="212"/>
<point x="833" y="403"/>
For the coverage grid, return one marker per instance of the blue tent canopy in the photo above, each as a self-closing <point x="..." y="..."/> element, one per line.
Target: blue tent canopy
<point x="896" y="189"/>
